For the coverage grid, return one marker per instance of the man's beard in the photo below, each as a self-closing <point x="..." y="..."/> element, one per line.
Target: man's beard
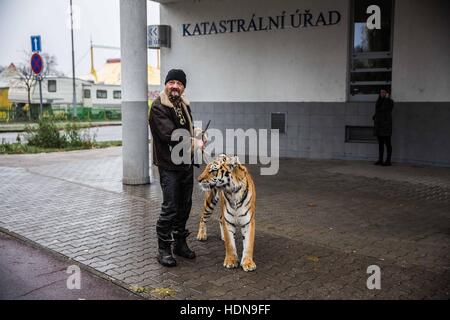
<point x="174" y="96"/>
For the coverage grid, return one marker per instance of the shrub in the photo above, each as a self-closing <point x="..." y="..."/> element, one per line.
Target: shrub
<point x="48" y="135"/>
<point x="76" y="137"/>
<point x="45" y="135"/>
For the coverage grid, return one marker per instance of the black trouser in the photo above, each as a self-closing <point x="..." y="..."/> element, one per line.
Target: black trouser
<point x="177" y="189"/>
<point x="384" y="140"/>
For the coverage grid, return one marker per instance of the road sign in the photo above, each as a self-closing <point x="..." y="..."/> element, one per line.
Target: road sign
<point x="36" y="44"/>
<point x="37" y="63"/>
<point x="158" y="36"/>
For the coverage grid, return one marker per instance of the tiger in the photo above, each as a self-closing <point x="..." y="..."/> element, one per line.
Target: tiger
<point x="226" y="180"/>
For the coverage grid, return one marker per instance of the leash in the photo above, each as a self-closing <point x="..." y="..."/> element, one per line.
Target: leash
<point x="203" y="136"/>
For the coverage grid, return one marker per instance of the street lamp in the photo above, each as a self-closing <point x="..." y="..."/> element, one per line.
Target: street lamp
<point x="74" y="99"/>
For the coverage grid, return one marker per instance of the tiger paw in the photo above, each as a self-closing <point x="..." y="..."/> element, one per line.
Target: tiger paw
<point x="248" y="264"/>
<point x="201" y="235"/>
<point x="231" y="262"/>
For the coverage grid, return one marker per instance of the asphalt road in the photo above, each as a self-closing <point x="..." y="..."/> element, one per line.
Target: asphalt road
<point x="107" y="133"/>
<point x="27" y="273"/>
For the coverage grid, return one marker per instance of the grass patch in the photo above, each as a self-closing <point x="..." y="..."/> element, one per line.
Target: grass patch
<point x="20" y="127"/>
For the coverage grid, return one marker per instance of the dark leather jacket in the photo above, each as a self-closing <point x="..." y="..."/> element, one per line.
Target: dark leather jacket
<point x="163" y="120"/>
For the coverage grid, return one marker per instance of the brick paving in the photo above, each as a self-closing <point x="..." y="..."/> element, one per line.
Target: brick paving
<point x="320" y="224"/>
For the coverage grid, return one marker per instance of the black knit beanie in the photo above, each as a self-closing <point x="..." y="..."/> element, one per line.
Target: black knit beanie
<point x="176" y="74"/>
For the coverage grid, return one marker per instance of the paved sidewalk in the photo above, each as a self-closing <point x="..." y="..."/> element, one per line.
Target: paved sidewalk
<point x="28" y="273"/>
<point x="320" y="225"/>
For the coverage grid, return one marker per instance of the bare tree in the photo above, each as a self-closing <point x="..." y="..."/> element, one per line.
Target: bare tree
<point x="27" y="77"/>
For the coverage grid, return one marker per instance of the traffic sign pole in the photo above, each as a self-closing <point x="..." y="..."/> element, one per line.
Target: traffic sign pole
<point x="40" y="96"/>
<point x="37" y="65"/>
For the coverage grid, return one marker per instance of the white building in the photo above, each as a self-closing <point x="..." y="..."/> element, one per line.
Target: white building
<point x="313" y="69"/>
<point x="57" y="91"/>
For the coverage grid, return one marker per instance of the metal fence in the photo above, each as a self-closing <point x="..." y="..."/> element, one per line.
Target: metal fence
<point x="25" y="114"/>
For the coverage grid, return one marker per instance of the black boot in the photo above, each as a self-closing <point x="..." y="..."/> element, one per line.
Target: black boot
<point x="388" y="163"/>
<point x="181" y="248"/>
<point x="165" y="253"/>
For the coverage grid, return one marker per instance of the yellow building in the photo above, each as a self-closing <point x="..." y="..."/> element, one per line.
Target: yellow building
<point x="109" y="73"/>
<point x="7" y="77"/>
<point x="4" y="102"/>
<point x="5" y="105"/>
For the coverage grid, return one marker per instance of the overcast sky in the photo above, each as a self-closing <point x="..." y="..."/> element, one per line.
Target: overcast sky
<point x="19" y="19"/>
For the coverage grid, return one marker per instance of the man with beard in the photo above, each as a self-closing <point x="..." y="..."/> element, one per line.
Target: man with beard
<point x="171" y="111"/>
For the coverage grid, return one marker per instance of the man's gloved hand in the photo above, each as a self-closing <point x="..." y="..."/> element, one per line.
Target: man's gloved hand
<point x="199" y="134"/>
<point x="198" y="144"/>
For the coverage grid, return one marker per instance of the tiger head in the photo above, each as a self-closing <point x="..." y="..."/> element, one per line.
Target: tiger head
<point x="223" y="172"/>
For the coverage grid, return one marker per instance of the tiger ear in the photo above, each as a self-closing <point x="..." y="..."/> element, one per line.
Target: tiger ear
<point x="234" y="161"/>
<point x="221" y="157"/>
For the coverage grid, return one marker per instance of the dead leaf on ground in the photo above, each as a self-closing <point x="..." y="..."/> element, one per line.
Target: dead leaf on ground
<point x="140" y="289"/>
<point x="313" y="258"/>
<point x="164" y="292"/>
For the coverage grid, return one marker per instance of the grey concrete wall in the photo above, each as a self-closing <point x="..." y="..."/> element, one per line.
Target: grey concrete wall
<point x="421" y="57"/>
<point x="317" y="130"/>
<point x="421" y="133"/>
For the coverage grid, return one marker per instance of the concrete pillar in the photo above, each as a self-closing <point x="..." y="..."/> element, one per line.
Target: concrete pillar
<point x="133" y="44"/>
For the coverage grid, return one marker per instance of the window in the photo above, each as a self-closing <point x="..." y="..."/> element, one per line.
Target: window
<point x="371" y="57"/>
<point x="87" y="93"/>
<point x="278" y="121"/>
<point x="102" y="94"/>
<point x="359" y="134"/>
<point x="117" y="94"/>
<point x="51" y="85"/>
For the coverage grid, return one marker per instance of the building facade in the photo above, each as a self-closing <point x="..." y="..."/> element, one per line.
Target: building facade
<point x="313" y="69"/>
<point x="58" y="91"/>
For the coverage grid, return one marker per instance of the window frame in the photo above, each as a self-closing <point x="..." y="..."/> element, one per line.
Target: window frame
<point x="53" y="81"/>
<point x="367" y="55"/>
<point x="119" y="92"/>
<point x="84" y="94"/>
<point x="101" y="90"/>
<point x="348" y="138"/>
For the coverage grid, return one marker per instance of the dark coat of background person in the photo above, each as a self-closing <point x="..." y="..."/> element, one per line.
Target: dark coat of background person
<point x="383" y="117"/>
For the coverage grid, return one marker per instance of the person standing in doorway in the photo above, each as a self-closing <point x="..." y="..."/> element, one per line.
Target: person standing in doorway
<point x="383" y="126"/>
<point x="169" y="112"/>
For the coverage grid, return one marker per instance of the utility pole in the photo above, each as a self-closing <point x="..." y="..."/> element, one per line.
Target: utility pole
<point x="74" y="100"/>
